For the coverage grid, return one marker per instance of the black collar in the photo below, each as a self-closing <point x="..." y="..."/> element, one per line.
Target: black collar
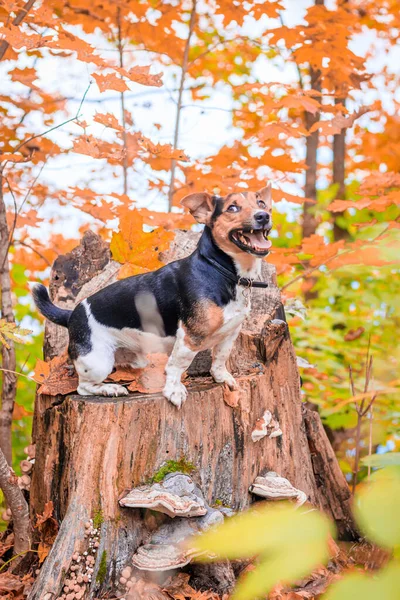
<point x="244" y="281"/>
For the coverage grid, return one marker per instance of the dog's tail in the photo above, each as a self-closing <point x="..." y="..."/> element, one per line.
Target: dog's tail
<point x="60" y="316"/>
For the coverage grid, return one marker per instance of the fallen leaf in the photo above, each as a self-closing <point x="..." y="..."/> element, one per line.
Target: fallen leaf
<point x="48" y="529"/>
<point x="150" y="380"/>
<point x="56" y="376"/>
<point x="10" y="585"/>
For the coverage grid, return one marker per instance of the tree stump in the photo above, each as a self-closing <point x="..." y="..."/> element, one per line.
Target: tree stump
<point x="91" y="451"/>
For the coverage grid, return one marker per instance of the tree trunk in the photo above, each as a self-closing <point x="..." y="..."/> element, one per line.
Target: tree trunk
<point x="310" y="186"/>
<point x="339" y="175"/>
<point x="91" y="451"/>
<point x="8" y="363"/>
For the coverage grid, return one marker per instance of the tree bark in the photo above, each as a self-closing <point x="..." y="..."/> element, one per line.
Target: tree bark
<point x="339" y="174"/>
<point x="18" y="19"/>
<point x="91" y="451"/>
<point x="310" y="187"/>
<point x="9" y="378"/>
<point x="17" y="504"/>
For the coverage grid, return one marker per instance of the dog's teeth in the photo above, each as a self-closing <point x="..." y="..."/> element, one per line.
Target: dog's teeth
<point x="251" y="231"/>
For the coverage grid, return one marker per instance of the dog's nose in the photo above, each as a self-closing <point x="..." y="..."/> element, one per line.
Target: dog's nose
<point x="261" y="217"/>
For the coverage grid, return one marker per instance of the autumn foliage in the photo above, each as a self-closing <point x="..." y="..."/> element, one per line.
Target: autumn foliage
<point x="87" y="153"/>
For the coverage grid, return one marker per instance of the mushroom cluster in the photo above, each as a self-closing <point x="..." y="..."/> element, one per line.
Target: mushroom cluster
<point x="79" y="575"/>
<point x="274" y="487"/>
<point x="267" y="425"/>
<point x="183" y="501"/>
<point x="139" y="589"/>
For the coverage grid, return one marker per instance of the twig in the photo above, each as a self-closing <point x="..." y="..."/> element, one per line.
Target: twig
<point x="26" y="245"/>
<point x="18" y="506"/>
<point x="362" y="410"/>
<point x="18" y="373"/>
<point x="34" y="137"/>
<point x="17" y="211"/>
<point x="370" y="439"/>
<point x="122" y="97"/>
<point x="3" y="566"/>
<point x="185" y="63"/>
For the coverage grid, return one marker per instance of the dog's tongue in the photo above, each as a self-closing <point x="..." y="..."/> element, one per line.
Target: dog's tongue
<point x="258" y="240"/>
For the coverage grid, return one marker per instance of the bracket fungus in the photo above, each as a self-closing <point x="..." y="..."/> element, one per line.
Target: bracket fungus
<point x="275" y="487"/>
<point x="267" y="425"/>
<point x="165" y="550"/>
<point x="175" y="496"/>
<point x="160" y="557"/>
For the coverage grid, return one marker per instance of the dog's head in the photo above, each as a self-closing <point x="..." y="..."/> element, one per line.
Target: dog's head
<point x="240" y="222"/>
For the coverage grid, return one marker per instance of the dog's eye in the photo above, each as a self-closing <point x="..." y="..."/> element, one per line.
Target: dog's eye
<point x="261" y="204"/>
<point x="233" y="208"/>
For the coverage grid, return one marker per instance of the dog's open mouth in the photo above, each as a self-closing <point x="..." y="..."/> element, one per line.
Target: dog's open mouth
<point x="254" y="241"/>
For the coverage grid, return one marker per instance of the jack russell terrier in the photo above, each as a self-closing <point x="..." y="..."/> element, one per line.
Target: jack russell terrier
<point x="189" y="305"/>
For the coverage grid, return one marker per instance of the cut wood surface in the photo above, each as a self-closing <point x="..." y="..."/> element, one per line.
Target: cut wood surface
<point x="90" y="451"/>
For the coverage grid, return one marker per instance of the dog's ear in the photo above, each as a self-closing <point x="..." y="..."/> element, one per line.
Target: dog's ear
<point x="200" y="206"/>
<point x="266" y="195"/>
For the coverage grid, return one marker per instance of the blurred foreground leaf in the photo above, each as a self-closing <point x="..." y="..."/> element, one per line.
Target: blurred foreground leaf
<point x="383" y="586"/>
<point x="382" y="460"/>
<point x="377" y="508"/>
<point x="289" y="541"/>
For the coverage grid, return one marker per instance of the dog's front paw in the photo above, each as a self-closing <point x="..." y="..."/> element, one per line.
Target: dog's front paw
<point x="176" y="393"/>
<point x="223" y="376"/>
<point x="102" y="389"/>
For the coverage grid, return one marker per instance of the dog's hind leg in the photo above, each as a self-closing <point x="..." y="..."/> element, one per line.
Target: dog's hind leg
<point x="93" y="369"/>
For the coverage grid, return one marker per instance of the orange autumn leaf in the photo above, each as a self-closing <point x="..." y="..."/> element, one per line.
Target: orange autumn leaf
<point x="88" y="144"/>
<point x="16" y="158"/>
<point x="142" y="75"/>
<point x="110" y="82"/>
<point x="149" y="380"/>
<point x="163" y="150"/>
<point x="56" y="376"/>
<point x="136" y="249"/>
<point x="48" y="529"/>
<point x="109" y="120"/>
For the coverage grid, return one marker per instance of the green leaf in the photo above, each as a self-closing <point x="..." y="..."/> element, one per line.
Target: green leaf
<point x="295" y="562"/>
<point x="265" y="528"/>
<point x="377" y="507"/>
<point x="385" y="585"/>
<point x="290" y="541"/>
<point x="382" y="460"/>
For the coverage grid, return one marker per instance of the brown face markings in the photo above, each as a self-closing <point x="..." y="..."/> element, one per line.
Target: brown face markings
<point x="238" y="210"/>
<point x="205" y="320"/>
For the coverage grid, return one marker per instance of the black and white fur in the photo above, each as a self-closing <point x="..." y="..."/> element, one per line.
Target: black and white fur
<point x="158" y="312"/>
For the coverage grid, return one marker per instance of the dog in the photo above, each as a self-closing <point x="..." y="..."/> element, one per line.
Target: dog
<point x="189" y="305"/>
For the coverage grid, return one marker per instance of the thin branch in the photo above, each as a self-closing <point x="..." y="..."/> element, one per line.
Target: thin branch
<point x="17" y="211"/>
<point x="185" y="64"/>
<point x="38" y="135"/>
<point x="26" y="245"/>
<point x="18" y="19"/>
<point x="291" y="51"/>
<point x="122" y="97"/>
<point x="19" y="374"/>
<point x="17" y="504"/>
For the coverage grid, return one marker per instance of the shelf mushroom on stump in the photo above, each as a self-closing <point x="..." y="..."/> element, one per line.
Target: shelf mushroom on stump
<point x="90" y="450"/>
